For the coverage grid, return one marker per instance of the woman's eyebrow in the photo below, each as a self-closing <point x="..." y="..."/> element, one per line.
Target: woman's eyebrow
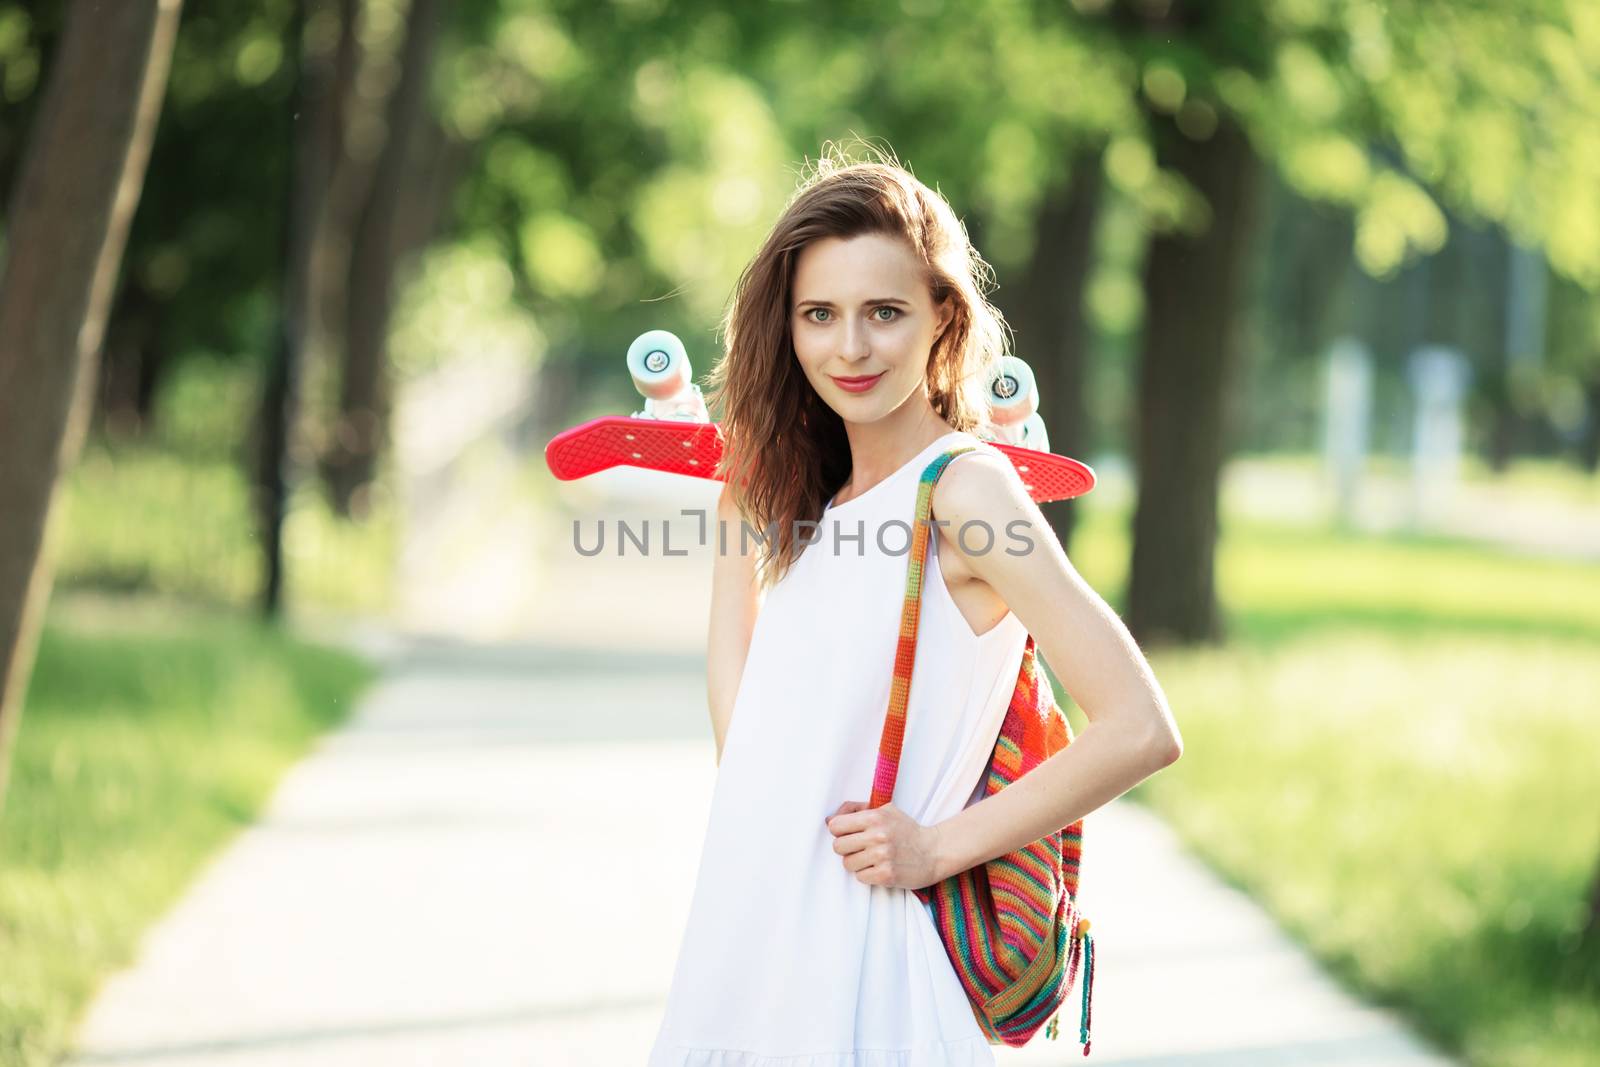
<point x="873" y="300"/>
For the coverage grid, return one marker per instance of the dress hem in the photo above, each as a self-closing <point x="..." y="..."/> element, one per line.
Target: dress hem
<point x="968" y="1052"/>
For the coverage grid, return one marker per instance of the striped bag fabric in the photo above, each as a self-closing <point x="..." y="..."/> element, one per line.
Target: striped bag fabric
<point x="1010" y="926"/>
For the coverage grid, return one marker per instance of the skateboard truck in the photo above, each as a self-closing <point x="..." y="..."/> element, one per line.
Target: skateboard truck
<point x="1014" y="406"/>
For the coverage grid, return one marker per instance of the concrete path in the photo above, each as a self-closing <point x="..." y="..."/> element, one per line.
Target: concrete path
<point x="492" y="864"/>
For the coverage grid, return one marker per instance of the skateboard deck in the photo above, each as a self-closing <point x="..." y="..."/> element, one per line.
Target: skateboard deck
<point x="695" y="448"/>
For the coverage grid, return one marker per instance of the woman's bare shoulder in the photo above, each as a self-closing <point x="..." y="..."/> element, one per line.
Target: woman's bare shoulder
<point x="983" y="483"/>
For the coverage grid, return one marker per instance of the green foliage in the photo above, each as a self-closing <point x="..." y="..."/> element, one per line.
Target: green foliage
<point x="1402" y="117"/>
<point x="150" y="739"/>
<point x="463" y="299"/>
<point x="597" y="187"/>
<point x="1389" y="109"/>
<point x="206" y="247"/>
<point x="699" y="220"/>
<point x="626" y="156"/>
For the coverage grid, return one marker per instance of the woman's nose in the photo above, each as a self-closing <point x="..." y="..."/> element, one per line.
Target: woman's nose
<point x="854" y="342"/>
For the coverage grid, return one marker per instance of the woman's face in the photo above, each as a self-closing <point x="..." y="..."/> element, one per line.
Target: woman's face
<point x="861" y="308"/>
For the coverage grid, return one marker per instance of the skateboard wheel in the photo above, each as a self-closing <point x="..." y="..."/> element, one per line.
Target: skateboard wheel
<point x="659" y="364"/>
<point x="1013" y="394"/>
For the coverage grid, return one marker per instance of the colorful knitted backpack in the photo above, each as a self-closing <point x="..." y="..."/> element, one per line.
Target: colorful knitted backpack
<point x="1010" y="926"/>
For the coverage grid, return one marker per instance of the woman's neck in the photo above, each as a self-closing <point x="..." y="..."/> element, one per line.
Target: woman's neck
<point x="878" y="449"/>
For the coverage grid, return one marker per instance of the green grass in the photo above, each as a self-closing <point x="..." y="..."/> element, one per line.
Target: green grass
<point x="149" y="739"/>
<point x="1281" y="582"/>
<point x="1395" y="754"/>
<point x="1532" y="478"/>
<point x="151" y="518"/>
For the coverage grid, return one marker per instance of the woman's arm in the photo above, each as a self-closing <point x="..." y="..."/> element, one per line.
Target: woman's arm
<point x="1130" y="733"/>
<point x="734" y="604"/>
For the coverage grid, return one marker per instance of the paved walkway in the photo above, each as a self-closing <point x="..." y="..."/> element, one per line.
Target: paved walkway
<point x="492" y="864"/>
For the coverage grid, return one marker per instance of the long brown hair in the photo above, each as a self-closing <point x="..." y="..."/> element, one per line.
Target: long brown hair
<point x="784" y="450"/>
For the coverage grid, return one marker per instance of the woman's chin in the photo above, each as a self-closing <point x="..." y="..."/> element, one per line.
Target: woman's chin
<point x="861" y="414"/>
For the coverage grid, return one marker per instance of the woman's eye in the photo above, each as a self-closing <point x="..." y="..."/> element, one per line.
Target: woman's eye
<point x="892" y="312"/>
<point x="815" y="312"/>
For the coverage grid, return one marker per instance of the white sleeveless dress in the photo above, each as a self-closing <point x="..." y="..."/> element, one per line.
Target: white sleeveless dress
<point x="787" y="960"/>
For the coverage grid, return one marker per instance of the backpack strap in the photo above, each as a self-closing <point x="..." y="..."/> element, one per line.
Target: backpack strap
<point x="905" y="657"/>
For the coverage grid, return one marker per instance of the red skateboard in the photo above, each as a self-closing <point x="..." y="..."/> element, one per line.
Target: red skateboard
<point x="674" y="433"/>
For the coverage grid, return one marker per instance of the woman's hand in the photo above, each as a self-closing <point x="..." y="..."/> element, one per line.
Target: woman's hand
<point x="884" y="846"/>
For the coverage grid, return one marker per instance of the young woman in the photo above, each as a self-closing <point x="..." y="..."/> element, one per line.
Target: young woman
<point x="858" y="344"/>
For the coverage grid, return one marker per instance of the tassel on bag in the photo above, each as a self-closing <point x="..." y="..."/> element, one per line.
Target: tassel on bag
<point x="1053" y="1029"/>
<point x="1088" y="986"/>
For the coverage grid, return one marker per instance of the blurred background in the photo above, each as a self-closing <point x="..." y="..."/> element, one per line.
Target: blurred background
<point x="1313" y="286"/>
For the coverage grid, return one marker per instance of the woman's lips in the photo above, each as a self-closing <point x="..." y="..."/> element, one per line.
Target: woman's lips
<point x="858" y="385"/>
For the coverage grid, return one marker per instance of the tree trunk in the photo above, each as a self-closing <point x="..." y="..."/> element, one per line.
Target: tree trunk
<point x="438" y="163"/>
<point x="1193" y="285"/>
<point x="1307" y="290"/>
<point x="1591" y="924"/>
<point x="41" y="29"/>
<point x="364" y="387"/>
<point x="1589" y="443"/>
<point x="130" y="364"/>
<point x="1051" y="330"/>
<point x="344" y="110"/>
<point x="67" y="228"/>
<point x="333" y="108"/>
<point x="311" y="142"/>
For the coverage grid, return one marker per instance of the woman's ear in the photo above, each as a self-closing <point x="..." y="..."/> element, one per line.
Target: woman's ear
<point x="947" y="312"/>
